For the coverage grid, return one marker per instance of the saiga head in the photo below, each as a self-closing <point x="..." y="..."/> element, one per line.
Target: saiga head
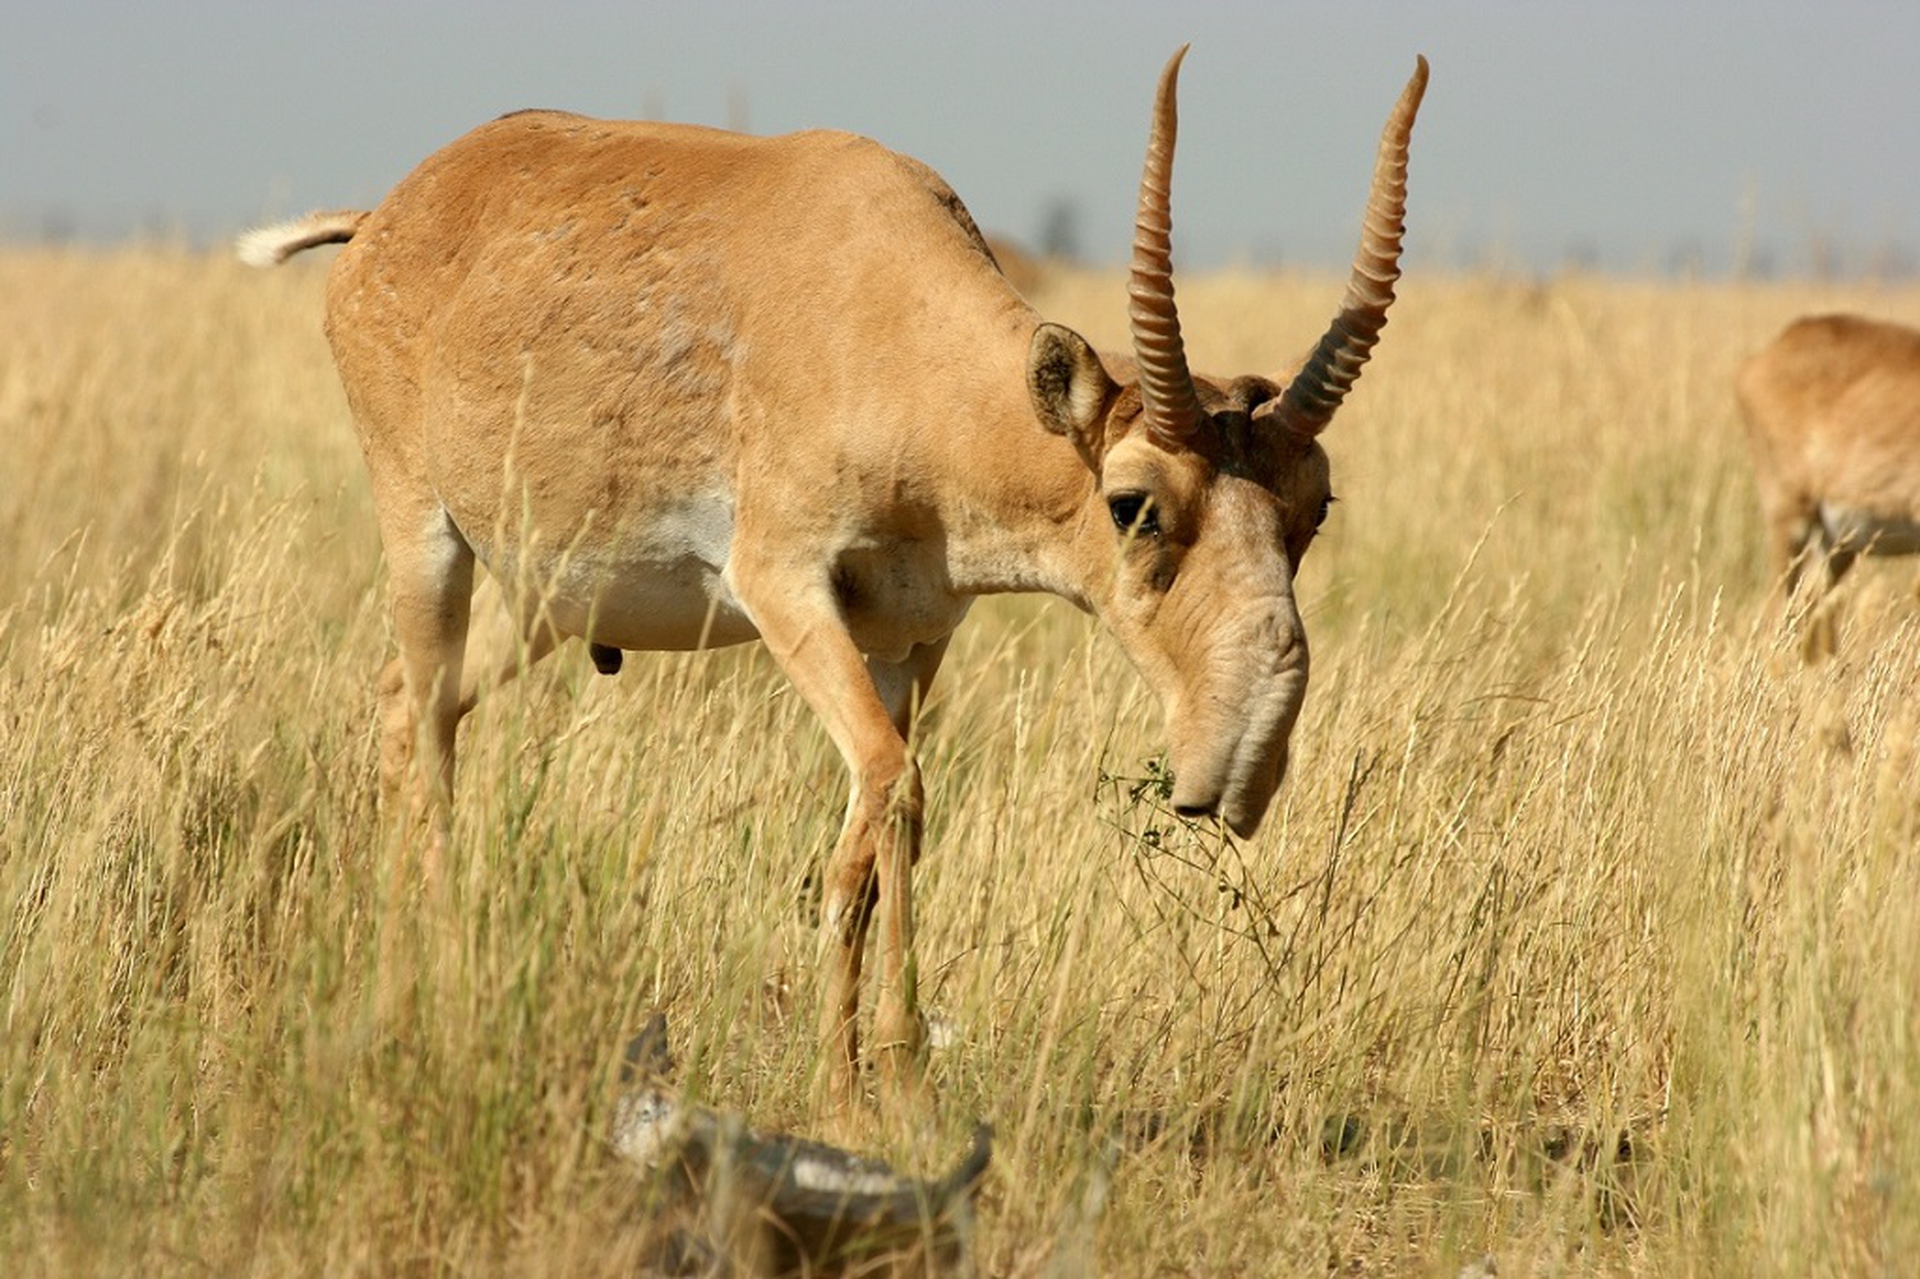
<point x="1208" y="492"/>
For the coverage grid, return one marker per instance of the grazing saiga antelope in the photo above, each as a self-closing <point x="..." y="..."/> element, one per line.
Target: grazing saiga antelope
<point x="698" y="388"/>
<point x="1832" y="408"/>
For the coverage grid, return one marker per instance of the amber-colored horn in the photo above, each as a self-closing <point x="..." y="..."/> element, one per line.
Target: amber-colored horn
<point x="1330" y="372"/>
<point x="1166" y="385"/>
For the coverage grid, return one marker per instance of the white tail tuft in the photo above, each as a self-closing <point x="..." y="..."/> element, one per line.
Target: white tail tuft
<point x="272" y="245"/>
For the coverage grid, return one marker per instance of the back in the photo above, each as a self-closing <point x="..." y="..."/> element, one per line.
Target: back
<point x="601" y="218"/>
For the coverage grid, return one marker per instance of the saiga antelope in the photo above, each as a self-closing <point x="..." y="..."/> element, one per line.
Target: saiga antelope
<point x="700" y="388"/>
<point x="1832" y="408"/>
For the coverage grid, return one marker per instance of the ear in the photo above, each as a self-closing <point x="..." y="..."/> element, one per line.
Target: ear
<point x="1067" y="382"/>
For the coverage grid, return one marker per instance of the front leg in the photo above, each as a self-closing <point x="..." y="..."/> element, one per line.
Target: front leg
<point x="899" y="1031"/>
<point x="869" y="877"/>
<point x="797" y="615"/>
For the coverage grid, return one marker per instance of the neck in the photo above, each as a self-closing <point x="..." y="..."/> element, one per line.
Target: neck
<point x="1013" y="518"/>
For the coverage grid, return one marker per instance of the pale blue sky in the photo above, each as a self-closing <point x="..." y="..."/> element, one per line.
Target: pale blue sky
<point x="1626" y="130"/>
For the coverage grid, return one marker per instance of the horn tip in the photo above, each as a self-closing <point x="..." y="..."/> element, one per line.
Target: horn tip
<point x="1416" y="90"/>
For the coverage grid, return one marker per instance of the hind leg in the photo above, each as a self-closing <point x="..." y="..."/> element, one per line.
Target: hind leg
<point x="1790" y="524"/>
<point x="1822" y="637"/>
<point x="507" y="638"/>
<point x="1803" y="570"/>
<point x="503" y="641"/>
<point x="430" y="583"/>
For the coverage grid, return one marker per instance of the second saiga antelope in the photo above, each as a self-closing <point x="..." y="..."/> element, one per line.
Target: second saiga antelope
<point x="676" y="388"/>
<point x="1832" y="407"/>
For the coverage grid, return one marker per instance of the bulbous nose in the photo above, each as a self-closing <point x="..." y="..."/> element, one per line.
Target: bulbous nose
<point x="1197" y="790"/>
<point x="1243" y="820"/>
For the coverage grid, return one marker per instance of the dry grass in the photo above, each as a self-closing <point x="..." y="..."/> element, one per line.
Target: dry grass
<point x="1583" y="935"/>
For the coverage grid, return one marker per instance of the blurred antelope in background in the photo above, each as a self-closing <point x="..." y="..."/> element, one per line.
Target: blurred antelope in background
<point x="699" y="388"/>
<point x="1832" y="408"/>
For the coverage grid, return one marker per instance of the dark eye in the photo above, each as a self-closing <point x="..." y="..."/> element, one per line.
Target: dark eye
<point x="1325" y="506"/>
<point x="1134" y="513"/>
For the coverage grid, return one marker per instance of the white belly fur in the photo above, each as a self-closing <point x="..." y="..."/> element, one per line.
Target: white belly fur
<point x="1869" y="533"/>
<point x="658" y="582"/>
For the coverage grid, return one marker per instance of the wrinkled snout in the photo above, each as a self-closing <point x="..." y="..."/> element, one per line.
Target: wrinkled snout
<point x="1230" y="751"/>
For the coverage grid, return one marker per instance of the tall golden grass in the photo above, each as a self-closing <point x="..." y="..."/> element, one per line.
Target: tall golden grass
<point x="1583" y="935"/>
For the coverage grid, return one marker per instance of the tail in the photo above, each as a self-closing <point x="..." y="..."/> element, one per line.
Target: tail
<point x="272" y="245"/>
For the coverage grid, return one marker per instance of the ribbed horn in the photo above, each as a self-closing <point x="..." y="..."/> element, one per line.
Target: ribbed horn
<point x="1330" y="372"/>
<point x="1166" y="385"/>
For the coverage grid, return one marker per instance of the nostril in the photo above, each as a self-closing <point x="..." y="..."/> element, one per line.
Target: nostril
<point x="1194" y="810"/>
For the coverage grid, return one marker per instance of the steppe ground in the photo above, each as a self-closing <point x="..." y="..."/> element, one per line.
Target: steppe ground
<point x="1585" y="935"/>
